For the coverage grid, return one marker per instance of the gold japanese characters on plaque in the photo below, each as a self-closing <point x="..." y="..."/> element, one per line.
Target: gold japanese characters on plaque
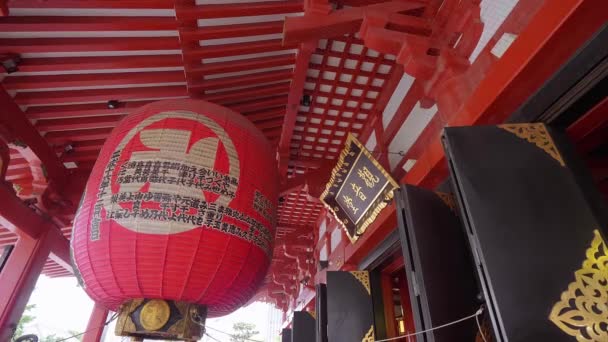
<point x="359" y="188"/>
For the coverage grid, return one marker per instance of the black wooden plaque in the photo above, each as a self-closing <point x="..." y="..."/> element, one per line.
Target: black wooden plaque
<point x="286" y="335"/>
<point x="359" y="188"/>
<point x="321" y="310"/>
<point x="303" y="327"/>
<point x="530" y="220"/>
<point x="441" y="275"/>
<point x="350" y="315"/>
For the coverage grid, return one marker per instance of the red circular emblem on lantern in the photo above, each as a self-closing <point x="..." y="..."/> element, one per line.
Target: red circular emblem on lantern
<point x="180" y="205"/>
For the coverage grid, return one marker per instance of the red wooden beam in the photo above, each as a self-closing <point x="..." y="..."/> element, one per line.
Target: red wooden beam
<point x="105" y="4"/>
<point x="17" y="127"/>
<point x="230" y="31"/>
<point x="96" y="324"/>
<point x="269" y="125"/>
<point x="82" y="23"/>
<point x="32" y="45"/>
<point x="83" y="146"/>
<point x="240" y="65"/>
<point x="553" y="35"/>
<point x="51" y="125"/>
<point x="82" y="110"/>
<point x="241" y="80"/>
<point x="339" y="22"/>
<point x="58" y="138"/>
<point x="99" y="95"/>
<point x="240" y="95"/>
<point x="592" y="120"/>
<point x="556" y="31"/>
<point x="255" y="106"/>
<point x="92" y="80"/>
<point x="99" y="63"/>
<point x="293" y="104"/>
<point x="3" y="8"/>
<point x="224" y="50"/>
<point x="17" y="281"/>
<point x="17" y="217"/>
<point x="266" y="114"/>
<point x="237" y="10"/>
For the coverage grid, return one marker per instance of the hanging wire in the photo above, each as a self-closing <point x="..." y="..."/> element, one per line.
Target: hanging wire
<point x="401" y="153"/>
<point x="197" y="319"/>
<point x="86" y="331"/>
<point x="483" y="336"/>
<point x="477" y="313"/>
<point x="213" y="338"/>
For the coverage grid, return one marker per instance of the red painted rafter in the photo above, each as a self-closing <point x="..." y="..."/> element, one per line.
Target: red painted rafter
<point x="31" y="45"/>
<point x="241" y="80"/>
<point x="230" y="31"/>
<point x="293" y="104"/>
<point x="555" y="32"/>
<point x="240" y="95"/>
<point x="80" y="157"/>
<point x="16" y="124"/>
<point x="224" y="50"/>
<point x="339" y="22"/>
<point x="266" y="114"/>
<point x="82" y="123"/>
<point x="98" y="23"/>
<point x="237" y="10"/>
<point x="240" y="65"/>
<point x="590" y="122"/>
<point x="83" y="146"/>
<point x="99" y="95"/>
<point x="58" y="138"/>
<point x="81" y="110"/>
<point x="124" y="4"/>
<point x="92" y="80"/>
<point x="99" y="63"/>
<point x="254" y="106"/>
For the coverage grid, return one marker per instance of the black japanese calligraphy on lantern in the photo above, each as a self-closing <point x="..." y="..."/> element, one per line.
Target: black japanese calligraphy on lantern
<point x="358" y="189"/>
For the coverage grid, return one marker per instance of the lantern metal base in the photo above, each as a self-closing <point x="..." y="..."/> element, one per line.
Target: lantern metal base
<point x="160" y="319"/>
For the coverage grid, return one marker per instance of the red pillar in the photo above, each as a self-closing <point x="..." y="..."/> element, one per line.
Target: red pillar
<point x="96" y="324"/>
<point x="18" y="278"/>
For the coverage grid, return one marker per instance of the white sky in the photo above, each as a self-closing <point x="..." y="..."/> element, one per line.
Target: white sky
<point x="61" y="306"/>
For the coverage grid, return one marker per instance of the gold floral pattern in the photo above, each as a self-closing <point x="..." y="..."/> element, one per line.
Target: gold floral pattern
<point x="369" y="337"/>
<point x="582" y="311"/>
<point x="363" y="277"/>
<point x="537" y="134"/>
<point x="449" y="200"/>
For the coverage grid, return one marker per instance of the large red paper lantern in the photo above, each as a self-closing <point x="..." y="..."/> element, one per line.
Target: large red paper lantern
<point x="181" y="206"/>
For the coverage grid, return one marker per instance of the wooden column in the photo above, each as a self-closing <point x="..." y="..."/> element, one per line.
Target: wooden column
<point x="96" y="325"/>
<point x="18" y="278"/>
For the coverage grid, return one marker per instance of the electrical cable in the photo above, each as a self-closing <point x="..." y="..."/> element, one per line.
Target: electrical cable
<point x="86" y="331"/>
<point x="477" y="313"/>
<point x="204" y="326"/>
<point x="229" y="334"/>
<point x="213" y="338"/>
<point x="483" y="336"/>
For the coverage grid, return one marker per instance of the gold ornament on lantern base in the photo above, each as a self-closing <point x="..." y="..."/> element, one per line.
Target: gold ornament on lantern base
<point x="161" y="319"/>
<point x="582" y="311"/>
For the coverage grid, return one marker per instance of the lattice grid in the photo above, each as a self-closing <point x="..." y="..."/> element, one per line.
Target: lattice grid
<point x="344" y="81"/>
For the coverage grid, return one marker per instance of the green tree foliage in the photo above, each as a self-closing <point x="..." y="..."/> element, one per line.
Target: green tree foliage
<point x="26" y="318"/>
<point x="242" y="332"/>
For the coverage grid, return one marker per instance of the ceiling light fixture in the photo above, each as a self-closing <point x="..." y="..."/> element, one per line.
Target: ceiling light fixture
<point x="10" y="63"/>
<point x="113" y="104"/>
